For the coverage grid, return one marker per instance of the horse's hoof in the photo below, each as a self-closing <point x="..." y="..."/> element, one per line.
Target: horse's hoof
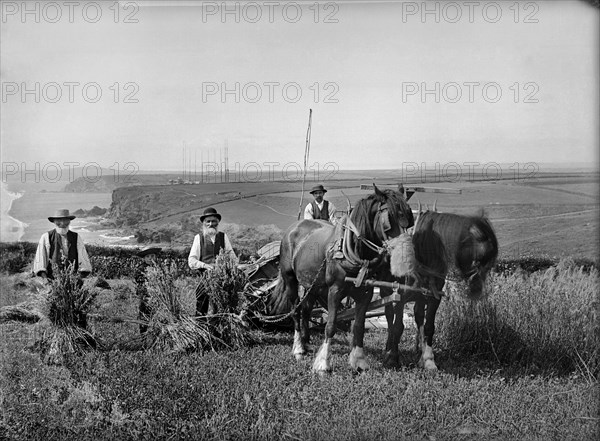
<point x="430" y="366"/>
<point x="321" y="367"/>
<point x="322" y="372"/>
<point x="360" y="370"/>
<point x="360" y="366"/>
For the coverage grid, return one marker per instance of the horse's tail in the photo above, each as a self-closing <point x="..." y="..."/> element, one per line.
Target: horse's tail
<point x="279" y="302"/>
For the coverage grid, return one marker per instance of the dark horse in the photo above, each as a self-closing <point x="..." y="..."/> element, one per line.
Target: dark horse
<point x="461" y="247"/>
<point x="306" y="259"/>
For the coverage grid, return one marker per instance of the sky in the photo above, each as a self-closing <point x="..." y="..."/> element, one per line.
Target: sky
<point x="389" y="83"/>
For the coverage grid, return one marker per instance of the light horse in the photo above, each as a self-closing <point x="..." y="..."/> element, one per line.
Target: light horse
<point x="461" y="247"/>
<point x="306" y="259"/>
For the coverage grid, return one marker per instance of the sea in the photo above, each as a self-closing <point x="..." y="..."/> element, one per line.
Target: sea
<point x="11" y="229"/>
<point x="24" y="215"/>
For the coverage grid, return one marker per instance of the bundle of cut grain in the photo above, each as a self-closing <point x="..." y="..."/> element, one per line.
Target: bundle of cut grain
<point x="64" y="308"/>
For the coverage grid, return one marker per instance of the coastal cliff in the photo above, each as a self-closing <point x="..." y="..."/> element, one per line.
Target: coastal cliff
<point x="131" y="205"/>
<point x="145" y="203"/>
<point x="103" y="184"/>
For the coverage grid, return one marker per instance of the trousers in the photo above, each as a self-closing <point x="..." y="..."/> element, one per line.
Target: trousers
<point x="202" y="297"/>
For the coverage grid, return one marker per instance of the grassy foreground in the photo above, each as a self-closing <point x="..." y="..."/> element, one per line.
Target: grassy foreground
<point x="263" y="393"/>
<point x="521" y="365"/>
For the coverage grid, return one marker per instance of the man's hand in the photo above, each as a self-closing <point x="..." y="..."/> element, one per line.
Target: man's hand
<point x="208" y="267"/>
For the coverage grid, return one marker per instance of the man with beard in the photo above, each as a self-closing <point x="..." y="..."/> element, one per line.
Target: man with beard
<point x="60" y="247"/>
<point x="206" y="247"/>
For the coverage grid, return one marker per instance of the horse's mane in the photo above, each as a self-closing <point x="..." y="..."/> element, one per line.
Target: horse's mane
<point x="363" y="219"/>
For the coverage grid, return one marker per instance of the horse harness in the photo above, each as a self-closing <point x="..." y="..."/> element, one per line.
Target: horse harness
<point x="381" y="218"/>
<point x="353" y="262"/>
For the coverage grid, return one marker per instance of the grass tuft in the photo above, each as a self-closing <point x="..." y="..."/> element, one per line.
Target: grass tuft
<point x="548" y="319"/>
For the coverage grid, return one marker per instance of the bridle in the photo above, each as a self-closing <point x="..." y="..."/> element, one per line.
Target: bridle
<point x="382" y="225"/>
<point x="382" y="221"/>
<point x="474" y="271"/>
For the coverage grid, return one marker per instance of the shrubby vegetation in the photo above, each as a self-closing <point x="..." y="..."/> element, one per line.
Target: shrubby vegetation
<point x="114" y="262"/>
<point x="167" y="233"/>
<point x="15" y="257"/>
<point x="530" y="264"/>
<point x="245" y="239"/>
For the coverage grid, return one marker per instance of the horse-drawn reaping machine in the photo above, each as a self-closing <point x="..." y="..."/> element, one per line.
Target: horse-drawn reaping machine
<point x="466" y="243"/>
<point x="263" y="274"/>
<point x="262" y="279"/>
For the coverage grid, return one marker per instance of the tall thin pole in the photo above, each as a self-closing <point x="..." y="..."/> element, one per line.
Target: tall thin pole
<point x="226" y="160"/>
<point x="306" y="154"/>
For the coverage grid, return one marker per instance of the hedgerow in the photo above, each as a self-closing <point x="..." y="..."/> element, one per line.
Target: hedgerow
<point x="15" y="257"/>
<point x="115" y="262"/>
<point x="531" y="264"/>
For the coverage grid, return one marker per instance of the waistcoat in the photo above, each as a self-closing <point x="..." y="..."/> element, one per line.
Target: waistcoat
<point x="321" y="214"/>
<point x="208" y="250"/>
<point x="56" y="252"/>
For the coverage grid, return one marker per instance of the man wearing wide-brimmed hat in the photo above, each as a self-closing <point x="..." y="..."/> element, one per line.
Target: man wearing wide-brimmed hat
<point x="59" y="244"/>
<point x="148" y="257"/>
<point x="206" y="247"/>
<point x="320" y="208"/>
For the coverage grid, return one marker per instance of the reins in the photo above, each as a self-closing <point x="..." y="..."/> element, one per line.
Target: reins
<point x="349" y="227"/>
<point x="351" y="233"/>
<point x="282" y="317"/>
